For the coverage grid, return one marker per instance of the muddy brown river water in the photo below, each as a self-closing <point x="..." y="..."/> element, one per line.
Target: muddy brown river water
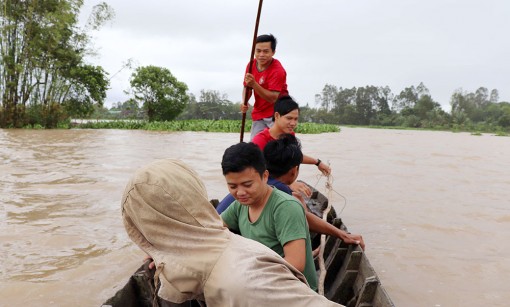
<point x="433" y="207"/>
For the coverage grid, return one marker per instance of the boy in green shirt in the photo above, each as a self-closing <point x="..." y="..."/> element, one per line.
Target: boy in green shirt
<point x="264" y="214"/>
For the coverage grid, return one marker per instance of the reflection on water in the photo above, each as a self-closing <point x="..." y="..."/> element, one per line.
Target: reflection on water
<point x="432" y="206"/>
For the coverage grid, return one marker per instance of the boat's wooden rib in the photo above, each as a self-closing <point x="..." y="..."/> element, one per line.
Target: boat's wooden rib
<point x="350" y="279"/>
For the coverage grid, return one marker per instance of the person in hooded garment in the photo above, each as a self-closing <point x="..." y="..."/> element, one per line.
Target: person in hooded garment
<point x="166" y="212"/>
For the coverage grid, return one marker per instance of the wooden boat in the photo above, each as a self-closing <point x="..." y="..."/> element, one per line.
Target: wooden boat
<point x="350" y="279"/>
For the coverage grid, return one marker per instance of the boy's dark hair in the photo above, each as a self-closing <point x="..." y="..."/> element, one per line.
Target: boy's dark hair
<point x="285" y="105"/>
<point x="282" y="155"/>
<point x="241" y="156"/>
<point x="264" y="38"/>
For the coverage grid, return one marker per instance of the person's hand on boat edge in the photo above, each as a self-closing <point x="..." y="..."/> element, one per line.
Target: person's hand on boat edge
<point x="350" y="238"/>
<point x="152" y="265"/>
<point x="301" y="188"/>
<point x="327" y="228"/>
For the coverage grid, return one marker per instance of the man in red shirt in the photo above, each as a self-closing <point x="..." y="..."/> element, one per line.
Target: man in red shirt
<point x="267" y="82"/>
<point x="286" y="115"/>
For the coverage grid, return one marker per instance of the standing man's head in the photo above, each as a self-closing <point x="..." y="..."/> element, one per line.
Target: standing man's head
<point x="267" y="38"/>
<point x="286" y="114"/>
<point x="265" y="48"/>
<point x="245" y="171"/>
<point x="283" y="157"/>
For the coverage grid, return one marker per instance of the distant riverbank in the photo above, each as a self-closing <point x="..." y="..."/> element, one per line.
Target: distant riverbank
<point x="235" y="126"/>
<point x="190" y="125"/>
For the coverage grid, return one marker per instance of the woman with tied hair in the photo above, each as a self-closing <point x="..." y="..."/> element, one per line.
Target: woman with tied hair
<point x="166" y="212"/>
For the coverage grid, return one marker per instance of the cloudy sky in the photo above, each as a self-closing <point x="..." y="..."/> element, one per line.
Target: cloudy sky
<point x="446" y="44"/>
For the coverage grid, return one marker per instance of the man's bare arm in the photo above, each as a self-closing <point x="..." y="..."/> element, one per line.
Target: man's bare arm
<point x="318" y="225"/>
<point x="267" y="95"/>
<point x="323" y="167"/>
<point x="295" y="253"/>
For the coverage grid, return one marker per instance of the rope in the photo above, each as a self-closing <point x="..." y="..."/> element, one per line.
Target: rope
<point x="330" y="191"/>
<point x="325" y="213"/>
<point x="329" y="188"/>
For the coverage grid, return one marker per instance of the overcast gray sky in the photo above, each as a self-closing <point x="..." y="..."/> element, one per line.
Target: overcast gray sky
<point x="446" y="44"/>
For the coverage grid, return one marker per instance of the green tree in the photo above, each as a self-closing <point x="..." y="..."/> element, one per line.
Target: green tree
<point x="328" y="96"/>
<point x="42" y="59"/>
<point x="87" y="86"/>
<point x="350" y="116"/>
<point x="213" y="104"/>
<point x="494" y="98"/>
<point x="498" y="114"/>
<point x="366" y="103"/>
<point x="460" y="105"/>
<point x="481" y="97"/>
<point x="473" y="105"/>
<point x="406" y="99"/>
<point x="504" y="119"/>
<point x="383" y="98"/>
<point x="162" y="95"/>
<point x="343" y="103"/>
<point x="128" y="109"/>
<point x="424" y="105"/>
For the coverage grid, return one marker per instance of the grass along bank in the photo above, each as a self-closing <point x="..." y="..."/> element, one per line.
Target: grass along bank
<point x="192" y="125"/>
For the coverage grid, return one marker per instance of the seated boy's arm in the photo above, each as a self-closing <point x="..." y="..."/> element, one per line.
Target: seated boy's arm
<point x="230" y="218"/>
<point x="318" y="225"/>
<point x="225" y="203"/>
<point x="291" y="230"/>
<point x="295" y="253"/>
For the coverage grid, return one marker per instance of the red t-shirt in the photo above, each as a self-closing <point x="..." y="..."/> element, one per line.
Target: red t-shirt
<point x="263" y="137"/>
<point x="273" y="78"/>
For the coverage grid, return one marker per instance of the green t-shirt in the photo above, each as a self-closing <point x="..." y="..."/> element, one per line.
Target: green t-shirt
<point x="282" y="220"/>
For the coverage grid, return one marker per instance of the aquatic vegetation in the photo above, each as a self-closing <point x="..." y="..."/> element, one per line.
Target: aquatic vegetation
<point x="501" y="133"/>
<point x="194" y="125"/>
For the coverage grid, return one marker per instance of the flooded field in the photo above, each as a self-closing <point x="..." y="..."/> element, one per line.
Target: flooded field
<point x="433" y="208"/>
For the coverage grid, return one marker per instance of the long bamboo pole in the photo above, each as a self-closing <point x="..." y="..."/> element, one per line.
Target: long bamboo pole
<point x="246" y="89"/>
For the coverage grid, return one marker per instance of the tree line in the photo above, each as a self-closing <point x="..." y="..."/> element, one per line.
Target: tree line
<point x="413" y="107"/>
<point x="45" y="81"/>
